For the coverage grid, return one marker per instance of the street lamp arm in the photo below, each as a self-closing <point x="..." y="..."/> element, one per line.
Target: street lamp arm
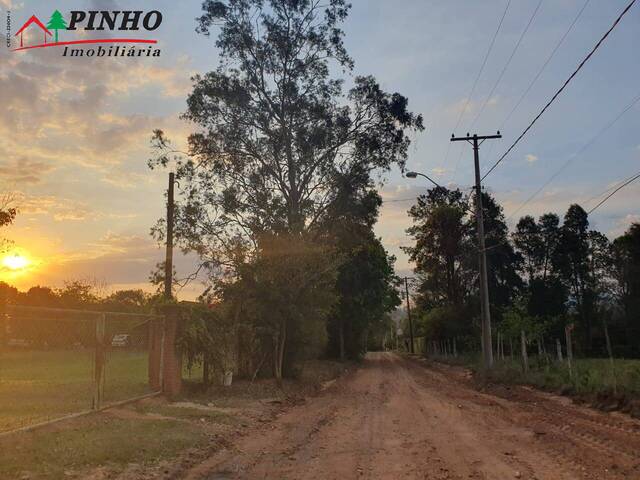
<point x="415" y="174"/>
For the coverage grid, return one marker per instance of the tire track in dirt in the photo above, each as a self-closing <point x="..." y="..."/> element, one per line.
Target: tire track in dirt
<point x="594" y="439"/>
<point x="401" y="418"/>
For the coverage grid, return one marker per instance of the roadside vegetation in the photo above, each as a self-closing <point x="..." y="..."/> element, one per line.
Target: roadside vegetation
<point x="561" y="293"/>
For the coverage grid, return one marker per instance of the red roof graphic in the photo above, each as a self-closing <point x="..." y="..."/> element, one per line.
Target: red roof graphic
<point x="35" y="20"/>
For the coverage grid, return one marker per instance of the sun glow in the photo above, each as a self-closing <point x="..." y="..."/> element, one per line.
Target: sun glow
<point x="15" y="262"/>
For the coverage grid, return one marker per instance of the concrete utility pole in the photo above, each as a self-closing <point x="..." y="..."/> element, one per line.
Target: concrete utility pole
<point x="406" y="287"/>
<point x="168" y="263"/>
<point x="487" y="346"/>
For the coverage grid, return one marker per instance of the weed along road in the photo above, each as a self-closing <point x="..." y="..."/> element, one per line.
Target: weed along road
<point x="403" y="418"/>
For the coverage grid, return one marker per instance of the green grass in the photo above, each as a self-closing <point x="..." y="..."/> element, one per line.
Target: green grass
<point x="91" y="441"/>
<point x="589" y="376"/>
<point x="40" y="385"/>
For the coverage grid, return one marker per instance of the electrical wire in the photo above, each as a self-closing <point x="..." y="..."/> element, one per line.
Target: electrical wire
<point x="610" y="124"/>
<point x="506" y="65"/>
<point x="544" y="65"/>
<point x="475" y="83"/>
<point x="632" y="179"/>
<point x="540" y="71"/>
<point x="564" y="85"/>
<point x="601" y="194"/>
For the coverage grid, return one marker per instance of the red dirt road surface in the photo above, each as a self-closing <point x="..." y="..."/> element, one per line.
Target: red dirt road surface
<point x="398" y="418"/>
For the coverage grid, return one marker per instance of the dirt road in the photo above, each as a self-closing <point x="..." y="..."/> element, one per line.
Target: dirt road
<point x="397" y="418"/>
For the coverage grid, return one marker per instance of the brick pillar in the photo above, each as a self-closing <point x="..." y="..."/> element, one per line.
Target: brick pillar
<point x="154" y="347"/>
<point x="172" y="371"/>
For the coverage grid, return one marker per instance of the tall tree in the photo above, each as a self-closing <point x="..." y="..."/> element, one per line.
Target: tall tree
<point x="440" y="235"/>
<point x="275" y="130"/>
<point x="503" y="261"/>
<point x="288" y="291"/>
<point x="537" y="243"/>
<point x="366" y="281"/>
<point x="626" y="271"/>
<point x="528" y="241"/>
<point x="585" y="260"/>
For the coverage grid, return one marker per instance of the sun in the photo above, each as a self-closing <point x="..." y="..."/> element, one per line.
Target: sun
<point x="15" y="262"/>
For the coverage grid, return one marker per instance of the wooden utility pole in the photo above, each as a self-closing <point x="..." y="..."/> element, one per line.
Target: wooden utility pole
<point x="487" y="347"/>
<point x="168" y="263"/>
<point x="406" y="288"/>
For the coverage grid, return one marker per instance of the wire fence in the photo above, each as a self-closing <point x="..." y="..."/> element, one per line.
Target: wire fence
<point x="59" y="362"/>
<point x="552" y="362"/>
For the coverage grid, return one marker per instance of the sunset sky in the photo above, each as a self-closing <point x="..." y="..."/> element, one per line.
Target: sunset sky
<point x="74" y="132"/>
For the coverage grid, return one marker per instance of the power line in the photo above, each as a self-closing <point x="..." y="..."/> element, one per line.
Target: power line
<point x="573" y="157"/>
<point x="475" y="83"/>
<point x="495" y="85"/>
<point x="544" y="65"/>
<point x="632" y="179"/>
<point x="601" y="194"/>
<point x="564" y="85"/>
<point x="506" y="65"/>
<point x="541" y="70"/>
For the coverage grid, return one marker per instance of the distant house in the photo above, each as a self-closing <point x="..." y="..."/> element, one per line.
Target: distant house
<point x="28" y="23"/>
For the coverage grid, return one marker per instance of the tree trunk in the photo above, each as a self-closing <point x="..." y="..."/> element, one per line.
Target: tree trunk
<point x="567" y="333"/>
<point x="559" y="350"/>
<point x="523" y="348"/>
<point x="279" y="352"/>
<point x="455" y="348"/>
<point x="206" y="374"/>
<point x="610" y="352"/>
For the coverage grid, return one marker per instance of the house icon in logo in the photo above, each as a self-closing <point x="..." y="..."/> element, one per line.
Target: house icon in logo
<point x="28" y="23"/>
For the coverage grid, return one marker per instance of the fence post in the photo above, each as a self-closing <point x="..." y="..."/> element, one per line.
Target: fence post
<point x="559" y="350"/>
<point x="99" y="363"/>
<point x="610" y="352"/>
<point x="156" y="328"/>
<point x="567" y="334"/>
<point x="171" y="354"/>
<point x="523" y="347"/>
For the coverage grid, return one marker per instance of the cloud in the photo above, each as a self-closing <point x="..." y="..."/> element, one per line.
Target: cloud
<point x="11" y="5"/>
<point x="439" y="171"/>
<point x="68" y="111"/>
<point x="531" y="158"/>
<point x="22" y="170"/>
<point x="60" y="209"/>
<point x="623" y="224"/>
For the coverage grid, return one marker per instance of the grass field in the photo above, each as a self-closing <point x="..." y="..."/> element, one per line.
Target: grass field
<point x="71" y="450"/>
<point x="589" y="376"/>
<point x="40" y="385"/>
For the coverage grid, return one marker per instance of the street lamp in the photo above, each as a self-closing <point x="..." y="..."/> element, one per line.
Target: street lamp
<point x="415" y="174"/>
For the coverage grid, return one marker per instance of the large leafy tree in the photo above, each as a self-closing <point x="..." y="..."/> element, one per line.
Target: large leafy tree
<point x="585" y="262"/>
<point x="441" y="237"/>
<point x="366" y="283"/>
<point x="276" y="133"/>
<point x="503" y="261"/>
<point x="537" y="244"/>
<point x="287" y="292"/>
<point x="366" y="287"/>
<point x="626" y="271"/>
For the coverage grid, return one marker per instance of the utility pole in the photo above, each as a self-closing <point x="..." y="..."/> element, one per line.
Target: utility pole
<point x="406" y="288"/>
<point x="487" y="346"/>
<point x="168" y="263"/>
